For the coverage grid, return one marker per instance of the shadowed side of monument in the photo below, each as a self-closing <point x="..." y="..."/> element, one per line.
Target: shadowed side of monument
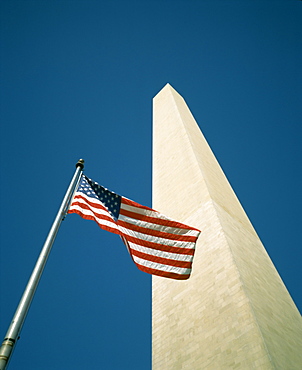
<point x="234" y="311"/>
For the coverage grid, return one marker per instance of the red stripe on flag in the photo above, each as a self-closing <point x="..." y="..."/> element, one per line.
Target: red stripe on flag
<point x="96" y="204"/>
<point x="159" y="247"/>
<point x="134" y="204"/>
<point x="161" y="260"/>
<point x="155" y="220"/>
<point x="92" y="218"/>
<point x="89" y="208"/>
<point x="170" y="275"/>
<point x="159" y="234"/>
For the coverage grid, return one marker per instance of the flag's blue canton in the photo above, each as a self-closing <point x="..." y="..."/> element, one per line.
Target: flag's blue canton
<point x="109" y="199"/>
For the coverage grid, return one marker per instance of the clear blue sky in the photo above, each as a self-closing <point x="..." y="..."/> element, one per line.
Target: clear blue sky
<point x="77" y="81"/>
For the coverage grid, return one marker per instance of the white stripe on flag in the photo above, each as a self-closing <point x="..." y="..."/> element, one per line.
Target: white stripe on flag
<point x="141" y="211"/>
<point x="161" y="267"/>
<point x="163" y="228"/>
<point x="156" y="239"/>
<point x="98" y="220"/>
<point x="99" y="211"/>
<point x="162" y="254"/>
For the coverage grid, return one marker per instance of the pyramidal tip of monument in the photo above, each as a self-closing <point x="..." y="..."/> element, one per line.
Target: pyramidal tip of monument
<point x="167" y="87"/>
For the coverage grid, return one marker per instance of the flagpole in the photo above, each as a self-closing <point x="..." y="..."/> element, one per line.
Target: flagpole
<point x="15" y="327"/>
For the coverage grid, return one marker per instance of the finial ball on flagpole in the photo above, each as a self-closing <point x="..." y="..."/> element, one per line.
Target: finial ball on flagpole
<point x="80" y="163"/>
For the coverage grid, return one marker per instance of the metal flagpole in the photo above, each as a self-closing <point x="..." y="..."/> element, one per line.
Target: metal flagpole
<point x="15" y="327"/>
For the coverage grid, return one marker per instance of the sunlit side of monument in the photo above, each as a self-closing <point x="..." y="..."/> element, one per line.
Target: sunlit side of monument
<point x="234" y="311"/>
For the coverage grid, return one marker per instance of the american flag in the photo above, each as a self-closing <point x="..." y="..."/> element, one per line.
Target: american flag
<point x="157" y="244"/>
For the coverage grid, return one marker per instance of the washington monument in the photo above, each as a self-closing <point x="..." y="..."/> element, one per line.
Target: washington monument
<point x="234" y="312"/>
